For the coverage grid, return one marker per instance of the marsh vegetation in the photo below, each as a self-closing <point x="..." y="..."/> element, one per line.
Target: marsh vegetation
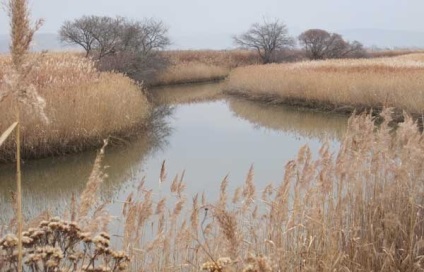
<point x="84" y="107"/>
<point x="336" y="85"/>
<point x="237" y="188"/>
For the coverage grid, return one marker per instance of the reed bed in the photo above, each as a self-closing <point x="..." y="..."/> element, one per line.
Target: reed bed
<point x="392" y="53"/>
<point x="223" y="58"/>
<point x="192" y="66"/>
<point x="336" y="84"/>
<point x="83" y="106"/>
<point x="359" y="209"/>
<point x="190" y="72"/>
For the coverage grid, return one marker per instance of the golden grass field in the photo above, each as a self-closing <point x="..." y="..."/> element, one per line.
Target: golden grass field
<point x="333" y="84"/>
<point x="83" y="107"/>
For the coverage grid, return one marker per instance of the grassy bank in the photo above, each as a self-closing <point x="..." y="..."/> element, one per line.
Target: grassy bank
<point x="83" y="107"/>
<point x="190" y="72"/>
<point x="341" y="85"/>
<point x="193" y="66"/>
<point x="360" y="209"/>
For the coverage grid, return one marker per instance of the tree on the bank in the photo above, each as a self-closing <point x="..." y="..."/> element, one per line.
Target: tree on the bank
<point x="320" y="44"/>
<point x="266" y="38"/>
<point x="122" y="45"/>
<point x="101" y="36"/>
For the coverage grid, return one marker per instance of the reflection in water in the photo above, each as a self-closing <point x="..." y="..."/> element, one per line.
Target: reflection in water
<point x="49" y="183"/>
<point x="185" y="94"/>
<point x="210" y="139"/>
<point x="283" y="118"/>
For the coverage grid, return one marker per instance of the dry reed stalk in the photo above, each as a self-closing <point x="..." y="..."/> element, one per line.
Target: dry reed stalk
<point x="88" y="196"/>
<point x="249" y="190"/>
<point x="6" y="133"/>
<point x="174" y="184"/>
<point x="162" y="176"/>
<point x="21" y="92"/>
<point x="194" y="217"/>
<point x="228" y="225"/>
<point x="223" y="196"/>
<point x="19" y="190"/>
<point x="160" y="207"/>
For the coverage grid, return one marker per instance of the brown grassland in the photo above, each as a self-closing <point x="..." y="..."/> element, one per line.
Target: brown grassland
<point x="83" y="107"/>
<point x="337" y="84"/>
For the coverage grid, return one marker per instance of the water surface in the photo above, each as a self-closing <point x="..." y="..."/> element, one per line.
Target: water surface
<point x="205" y="134"/>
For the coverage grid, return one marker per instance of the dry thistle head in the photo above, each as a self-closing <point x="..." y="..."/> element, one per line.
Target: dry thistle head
<point x="223" y="264"/>
<point x="257" y="264"/>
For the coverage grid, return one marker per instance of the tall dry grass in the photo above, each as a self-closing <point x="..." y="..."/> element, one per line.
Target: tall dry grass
<point x="391" y="53"/>
<point x="83" y="106"/>
<point x="190" y="72"/>
<point x="192" y="66"/>
<point x="223" y="58"/>
<point x="188" y="66"/>
<point x="336" y="84"/>
<point x="360" y="209"/>
<point x="22" y="93"/>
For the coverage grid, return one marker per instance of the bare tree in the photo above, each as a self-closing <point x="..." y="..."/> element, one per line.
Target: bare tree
<point x="103" y="36"/>
<point x="122" y="45"/>
<point x="320" y="44"/>
<point x="266" y="38"/>
<point x="79" y="32"/>
<point x="144" y="37"/>
<point x="107" y="34"/>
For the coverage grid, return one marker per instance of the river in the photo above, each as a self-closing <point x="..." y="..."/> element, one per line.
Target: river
<point x="200" y="132"/>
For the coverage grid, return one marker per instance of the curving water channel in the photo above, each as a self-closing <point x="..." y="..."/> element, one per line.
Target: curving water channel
<point x="200" y="131"/>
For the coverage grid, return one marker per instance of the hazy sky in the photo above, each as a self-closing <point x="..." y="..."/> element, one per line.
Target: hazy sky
<point x="217" y="17"/>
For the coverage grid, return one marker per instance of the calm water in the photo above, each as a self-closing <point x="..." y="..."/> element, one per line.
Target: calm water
<point x="204" y="133"/>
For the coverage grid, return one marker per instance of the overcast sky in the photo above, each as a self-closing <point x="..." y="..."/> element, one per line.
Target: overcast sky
<point x="187" y="18"/>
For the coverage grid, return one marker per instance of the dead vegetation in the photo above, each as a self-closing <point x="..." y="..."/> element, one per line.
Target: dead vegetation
<point x="192" y="66"/>
<point x="341" y="85"/>
<point x="83" y="106"/>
